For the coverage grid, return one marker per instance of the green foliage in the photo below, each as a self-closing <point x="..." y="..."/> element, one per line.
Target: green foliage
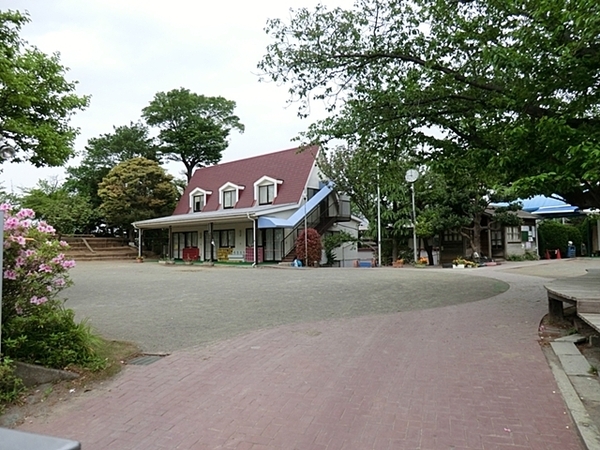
<point x="69" y="212"/>
<point x="313" y="246"/>
<point x="51" y="338"/>
<point x="506" y="85"/>
<point x="136" y="189"/>
<point x="37" y="101"/>
<point x="10" y="385"/>
<point x="105" y="152"/>
<point x="193" y="128"/>
<point x="333" y="241"/>
<point x="555" y="235"/>
<point x="527" y="256"/>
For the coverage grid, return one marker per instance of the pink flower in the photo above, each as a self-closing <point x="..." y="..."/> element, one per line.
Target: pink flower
<point x="5" y="207"/>
<point x="68" y="264"/>
<point x="59" y="282"/>
<point x="19" y="240"/>
<point x="10" y="274"/>
<point x="29" y="253"/>
<point x="11" y="223"/>
<point x="63" y="243"/>
<point x="18" y="309"/>
<point x="26" y="223"/>
<point x="45" y="228"/>
<point x="24" y="213"/>
<point x="58" y="259"/>
<point x="45" y="268"/>
<point x="19" y="261"/>
<point x="35" y="300"/>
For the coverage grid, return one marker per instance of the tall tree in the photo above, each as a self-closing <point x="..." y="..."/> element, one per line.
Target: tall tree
<point x="136" y="189"/>
<point x="36" y="101"/>
<point x="105" y="152"/>
<point x="515" y="82"/>
<point x="193" y="128"/>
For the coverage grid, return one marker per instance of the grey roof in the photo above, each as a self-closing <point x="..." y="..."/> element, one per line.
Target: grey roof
<point x="229" y="215"/>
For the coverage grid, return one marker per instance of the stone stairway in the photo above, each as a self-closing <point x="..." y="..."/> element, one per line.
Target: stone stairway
<point x="91" y="248"/>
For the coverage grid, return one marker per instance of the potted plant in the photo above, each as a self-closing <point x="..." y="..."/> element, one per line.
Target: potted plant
<point x="459" y="262"/>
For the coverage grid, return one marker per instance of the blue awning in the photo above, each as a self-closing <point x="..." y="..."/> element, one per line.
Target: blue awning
<point x="294" y="219"/>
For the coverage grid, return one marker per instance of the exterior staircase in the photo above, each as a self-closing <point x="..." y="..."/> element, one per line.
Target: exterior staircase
<point x="91" y="248"/>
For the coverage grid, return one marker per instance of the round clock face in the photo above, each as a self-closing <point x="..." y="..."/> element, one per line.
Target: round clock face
<point x="411" y="175"/>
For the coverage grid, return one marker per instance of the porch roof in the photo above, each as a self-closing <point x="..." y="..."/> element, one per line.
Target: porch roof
<point x="223" y="215"/>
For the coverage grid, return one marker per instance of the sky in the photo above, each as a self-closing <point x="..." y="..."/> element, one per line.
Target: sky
<point x="122" y="52"/>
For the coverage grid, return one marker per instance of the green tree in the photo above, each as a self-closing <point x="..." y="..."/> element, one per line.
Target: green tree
<point x="67" y="211"/>
<point x="193" y="128"/>
<point x="36" y="101"/>
<point x="136" y="189"/>
<point x="105" y="152"/>
<point x="514" y="82"/>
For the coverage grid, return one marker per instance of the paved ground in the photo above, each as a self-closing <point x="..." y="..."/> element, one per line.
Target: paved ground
<point x="462" y="374"/>
<point x="165" y="308"/>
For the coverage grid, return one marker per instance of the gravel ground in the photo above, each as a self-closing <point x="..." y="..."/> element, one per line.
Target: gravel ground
<point x="166" y="308"/>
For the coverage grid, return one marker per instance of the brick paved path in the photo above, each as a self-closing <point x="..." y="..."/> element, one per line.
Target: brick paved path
<point x="467" y="376"/>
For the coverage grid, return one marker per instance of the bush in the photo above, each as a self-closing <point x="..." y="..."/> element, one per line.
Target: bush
<point x="52" y="338"/>
<point x="313" y="245"/>
<point x="36" y="327"/>
<point x="555" y="235"/>
<point x="333" y="241"/>
<point x="10" y="385"/>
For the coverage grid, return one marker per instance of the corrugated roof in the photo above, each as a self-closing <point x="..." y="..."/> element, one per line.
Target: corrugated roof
<point x="293" y="166"/>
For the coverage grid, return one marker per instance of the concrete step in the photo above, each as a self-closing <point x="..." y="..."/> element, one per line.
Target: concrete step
<point x="573" y="362"/>
<point x="593" y="320"/>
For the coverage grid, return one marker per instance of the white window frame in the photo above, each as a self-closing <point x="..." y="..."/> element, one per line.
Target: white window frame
<point x="228" y="187"/>
<point x="194" y="193"/>
<point x="266" y="181"/>
<point x="513" y="234"/>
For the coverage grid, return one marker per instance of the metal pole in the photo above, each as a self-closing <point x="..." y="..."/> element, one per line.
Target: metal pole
<point x="414" y="217"/>
<point x="305" y="231"/>
<point x="378" y="222"/>
<point x="139" y="242"/>
<point x="1" y="265"/>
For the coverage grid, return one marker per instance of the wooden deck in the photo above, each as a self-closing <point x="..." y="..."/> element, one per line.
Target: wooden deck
<point x="583" y="292"/>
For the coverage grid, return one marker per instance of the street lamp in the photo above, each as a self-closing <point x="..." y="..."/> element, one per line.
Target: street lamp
<point x="411" y="176"/>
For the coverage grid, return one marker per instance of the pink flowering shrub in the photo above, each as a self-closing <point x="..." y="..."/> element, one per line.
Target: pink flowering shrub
<point x="35" y="268"/>
<point x="36" y="328"/>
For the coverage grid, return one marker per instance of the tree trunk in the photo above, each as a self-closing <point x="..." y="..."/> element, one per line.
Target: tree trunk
<point x="394" y="249"/>
<point x="476" y="242"/>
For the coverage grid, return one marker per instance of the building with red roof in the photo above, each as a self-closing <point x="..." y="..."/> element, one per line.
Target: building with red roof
<point x="253" y="209"/>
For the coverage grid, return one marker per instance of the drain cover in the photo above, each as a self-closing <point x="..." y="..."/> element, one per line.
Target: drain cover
<point x="144" y="360"/>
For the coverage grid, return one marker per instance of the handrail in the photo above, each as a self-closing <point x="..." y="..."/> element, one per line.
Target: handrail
<point x="313" y="219"/>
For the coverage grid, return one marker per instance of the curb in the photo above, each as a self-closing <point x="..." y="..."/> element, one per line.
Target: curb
<point x="588" y="432"/>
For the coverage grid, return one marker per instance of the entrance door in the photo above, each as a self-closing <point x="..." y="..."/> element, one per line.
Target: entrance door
<point x="182" y="240"/>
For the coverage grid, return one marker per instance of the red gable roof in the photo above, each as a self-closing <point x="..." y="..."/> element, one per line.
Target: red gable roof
<point x="292" y="166"/>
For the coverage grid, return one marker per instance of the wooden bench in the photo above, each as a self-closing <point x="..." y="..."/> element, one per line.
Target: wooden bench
<point x="583" y="292"/>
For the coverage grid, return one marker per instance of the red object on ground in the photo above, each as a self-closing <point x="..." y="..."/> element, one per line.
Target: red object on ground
<point x="558" y="253"/>
<point x="191" y="253"/>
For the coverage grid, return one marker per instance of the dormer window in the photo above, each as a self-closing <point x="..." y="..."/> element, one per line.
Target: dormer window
<point x="265" y="190"/>
<point x="229" y="199"/>
<point x="198" y="202"/>
<point x="266" y="194"/>
<point x="229" y="194"/>
<point x="198" y="199"/>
